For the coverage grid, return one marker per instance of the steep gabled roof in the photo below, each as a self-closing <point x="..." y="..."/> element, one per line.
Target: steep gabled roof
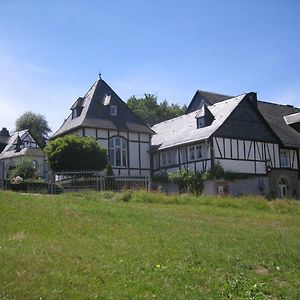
<point x="274" y="114"/>
<point x="9" y="151"/>
<point x="96" y="112"/>
<point x="183" y="129"/>
<point x="208" y="98"/>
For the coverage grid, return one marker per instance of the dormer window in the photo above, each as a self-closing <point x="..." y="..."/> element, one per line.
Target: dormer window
<point x="200" y="122"/>
<point x="113" y="110"/>
<point x="76" y="112"/>
<point x="204" y="117"/>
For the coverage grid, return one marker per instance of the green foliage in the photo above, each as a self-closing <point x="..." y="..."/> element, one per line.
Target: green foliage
<point x="110" y="182"/>
<point x="36" y="124"/>
<point x="34" y="186"/>
<point x="74" y="153"/>
<point x="152" y="112"/>
<point x="24" y="169"/>
<point x="218" y="172"/>
<point x="188" y="181"/>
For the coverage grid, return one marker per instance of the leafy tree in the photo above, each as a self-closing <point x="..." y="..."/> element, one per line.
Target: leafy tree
<point x="152" y="112"/>
<point x="24" y="169"/>
<point x="36" y="124"/>
<point x="74" y="153"/>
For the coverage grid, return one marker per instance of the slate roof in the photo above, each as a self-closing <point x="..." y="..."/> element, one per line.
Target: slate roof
<point x="273" y="113"/>
<point x="183" y="129"/>
<point x="96" y="112"/>
<point x="7" y="153"/>
<point x="207" y="97"/>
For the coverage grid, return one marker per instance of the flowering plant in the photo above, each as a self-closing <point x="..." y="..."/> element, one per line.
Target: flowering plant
<point x="16" y="180"/>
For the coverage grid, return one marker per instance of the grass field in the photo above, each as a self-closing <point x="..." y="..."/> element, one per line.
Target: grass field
<point x="148" y="246"/>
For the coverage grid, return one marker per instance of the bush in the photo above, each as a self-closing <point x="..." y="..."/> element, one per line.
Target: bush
<point x="187" y="181"/>
<point x="74" y="153"/>
<point x="24" y="169"/>
<point x="33" y="186"/>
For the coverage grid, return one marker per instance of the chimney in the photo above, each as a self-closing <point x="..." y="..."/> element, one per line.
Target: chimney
<point x="4" y="132"/>
<point x="253" y="98"/>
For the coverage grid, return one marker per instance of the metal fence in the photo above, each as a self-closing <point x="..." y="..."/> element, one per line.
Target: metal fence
<point x="91" y="180"/>
<point x="69" y="181"/>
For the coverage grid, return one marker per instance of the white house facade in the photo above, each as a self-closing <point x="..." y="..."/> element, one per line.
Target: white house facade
<point x="103" y="115"/>
<point x="243" y="135"/>
<point x="17" y="146"/>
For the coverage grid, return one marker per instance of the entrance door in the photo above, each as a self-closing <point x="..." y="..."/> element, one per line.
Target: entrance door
<point x="283" y="188"/>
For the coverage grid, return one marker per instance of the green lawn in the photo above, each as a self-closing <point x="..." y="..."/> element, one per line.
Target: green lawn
<point x="148" y="246"/>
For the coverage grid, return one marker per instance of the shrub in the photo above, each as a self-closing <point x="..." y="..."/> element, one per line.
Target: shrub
<point x="74" y="153"/>
<point x="24" y="169"/>
<point x="188" y="181"/>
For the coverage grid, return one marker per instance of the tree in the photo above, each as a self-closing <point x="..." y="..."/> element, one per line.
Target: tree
<point x="74" y="153"/>
<point x="152" y="112"/>
<point x="36" y="124"/>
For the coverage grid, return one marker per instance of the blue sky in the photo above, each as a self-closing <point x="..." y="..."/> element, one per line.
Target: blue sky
<point x="51" y="51"/>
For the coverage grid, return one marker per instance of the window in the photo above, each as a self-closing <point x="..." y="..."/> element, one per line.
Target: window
<point x="113" y="110"/>
<point x="156" y="161"/>
<point x="76" y="112"/>
<point x="200" y="122"/>
<point x="182" y="155"/>
<point x="118" y="152"/>
<point x="284" y="158"/>
<point x="169" y="157"/>
<point x="195" y="152"/>
<point x="192" y="153"/>
<point x="35" y="164"/>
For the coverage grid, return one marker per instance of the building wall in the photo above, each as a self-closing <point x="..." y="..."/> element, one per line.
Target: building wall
<point x="138" y="147"/>
<point x="181" y="159"/>
<point x="251" y="157"/>
<point x="292" y="178"/>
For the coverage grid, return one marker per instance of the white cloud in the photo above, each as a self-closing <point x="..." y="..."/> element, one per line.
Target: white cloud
<point x="28" y="87"/>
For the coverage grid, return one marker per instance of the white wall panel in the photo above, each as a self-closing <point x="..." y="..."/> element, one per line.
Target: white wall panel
<point x="134" y="154"/>
<point x="123" y="133"/>
<point x="234" y="148"/>
<point x="238" y="166"/>
<point x="260" y="168"/>
<point x="90" y="132"/>
<point x="113" y="133"/>
<point x="145" y="156"/>
<point x="102" y="133"/>
<point x="227" y="148"/>
<point x="133" y="136"/>
<point x="241" y="149"/>
<point x="144" y="137"/>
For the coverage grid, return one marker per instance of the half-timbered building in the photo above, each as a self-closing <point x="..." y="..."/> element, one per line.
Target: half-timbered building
<point x="243" y="135"/>
<point x="17" y="146"/>
<point x="102" y="114"/>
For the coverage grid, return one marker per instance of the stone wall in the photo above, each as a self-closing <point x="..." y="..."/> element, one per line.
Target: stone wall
<point x="291" y="176"/>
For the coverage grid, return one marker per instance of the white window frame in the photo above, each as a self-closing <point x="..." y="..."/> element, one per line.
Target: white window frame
<point x="168" y="158"/>
<point x="113" y="110"/>
<point x="284" y="158"/>
<point x="194" y="154"/>
<point x="118" y="152"/>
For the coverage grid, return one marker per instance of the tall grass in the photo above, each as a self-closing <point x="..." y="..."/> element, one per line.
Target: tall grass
<point x="140" y="245"/>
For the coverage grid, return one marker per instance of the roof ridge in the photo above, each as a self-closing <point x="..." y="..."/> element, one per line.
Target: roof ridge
<point x="278" y="104"/>
<point x="214" y="93"/>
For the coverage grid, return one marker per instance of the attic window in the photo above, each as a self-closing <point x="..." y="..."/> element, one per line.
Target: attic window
<point x="200" y="122"/>
<point x="76" y="112"/>
<point x="106" y="100"/>
<point x="113" y="110"/>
